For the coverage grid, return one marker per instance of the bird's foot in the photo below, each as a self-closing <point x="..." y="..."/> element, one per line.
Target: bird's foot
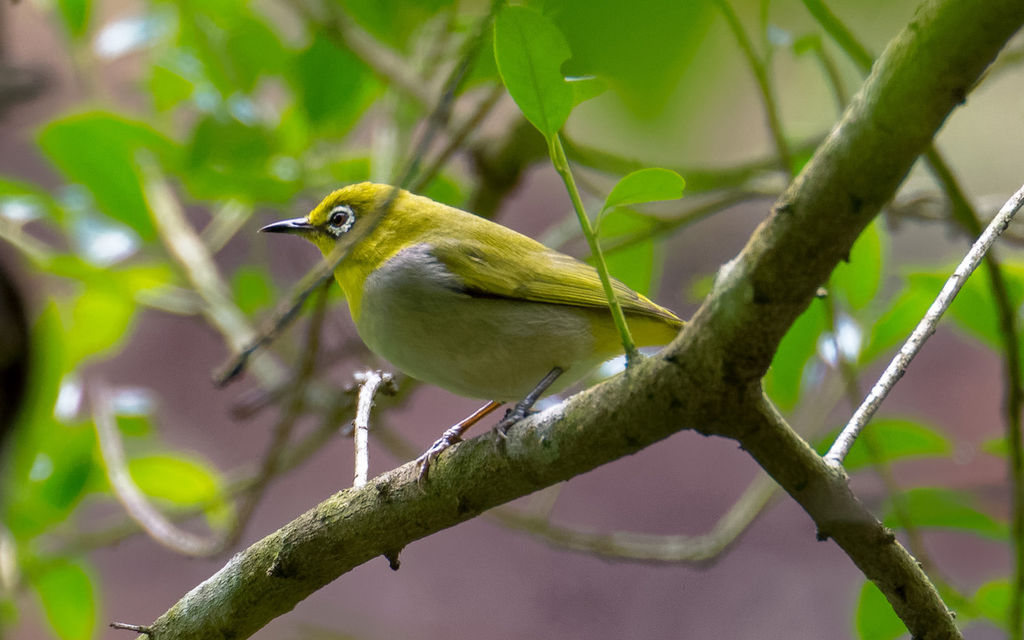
<point x="451" y="436"/>
<point x="512" y="416"/>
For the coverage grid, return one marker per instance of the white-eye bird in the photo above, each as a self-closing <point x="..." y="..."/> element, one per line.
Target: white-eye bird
<point x="467" y="304"/>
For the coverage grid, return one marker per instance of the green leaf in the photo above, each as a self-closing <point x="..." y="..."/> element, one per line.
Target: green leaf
<point x="252" y="288"/>
<point x="180" y="480"/>
<point x="529" y="50"/>
<point x="641" y="48"/>
<point x="856" y="281"/>
<point x="904" y="312"/>
<point x="634" y="265"/>
<point x="993" y="601"/>
<point x="75" y="14"/>
<point x="896" y="439"/>
<point x="168" y="87"/>
<point x="586" y="88"/>
<point x="645" y="185"/>
<point x="996" y="447"/>
<point x="947" y="509"/>
<point x="875" y="618"/>
<point x="68" y="598"/>
<point x="223" y="141"/>
<point x="99" y="150"/>
<point x="100" y="319"/>
<point x="333" y="84"/>
<point x="975" y="309"/>
<point x="784" y="377"/>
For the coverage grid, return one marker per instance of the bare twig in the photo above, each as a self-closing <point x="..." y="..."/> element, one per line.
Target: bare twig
<point x="137" y="628"/>
<point x="370" y="383"/>
<point x="924" y="329"/>
<point x="128" y="493"/>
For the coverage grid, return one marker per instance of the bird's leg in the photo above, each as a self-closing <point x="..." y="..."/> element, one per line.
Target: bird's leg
<point x="522" y="408"/>
<point x="452" y="435"/>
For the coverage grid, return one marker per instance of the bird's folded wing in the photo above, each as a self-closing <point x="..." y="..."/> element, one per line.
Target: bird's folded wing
<point x="535" y="273"/>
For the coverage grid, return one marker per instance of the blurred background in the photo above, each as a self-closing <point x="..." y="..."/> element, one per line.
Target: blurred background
<point x="129" y="130"/>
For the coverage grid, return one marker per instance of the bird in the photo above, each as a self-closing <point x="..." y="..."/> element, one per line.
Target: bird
<point x="458" y="301"/>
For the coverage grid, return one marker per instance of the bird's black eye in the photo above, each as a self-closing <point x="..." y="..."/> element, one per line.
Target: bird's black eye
<point x="340" y="219"/>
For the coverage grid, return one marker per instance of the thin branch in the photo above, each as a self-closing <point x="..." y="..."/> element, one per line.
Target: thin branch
<point x="369" y="383"/>
<point x="1013" y="401"/>
<point x="764" y="83"/>
<point x="629" y="545"/>
<point x="128" y="493"/>
<point x="898" y="366"/>
<point x="458" y="137"/>
<point x="192" y="256"/>
<point x="282" y="431"/>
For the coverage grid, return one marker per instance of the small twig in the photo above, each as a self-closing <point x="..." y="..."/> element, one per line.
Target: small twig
<point x="924" y="329"/>
<point x="458" y="137"/>
<point x="137" y="628"/>
<point x="370" y="382"/>
<point x="128" y="493"/>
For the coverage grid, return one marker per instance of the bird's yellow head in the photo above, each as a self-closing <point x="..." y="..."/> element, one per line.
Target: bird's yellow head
<point x="342" y="218"/>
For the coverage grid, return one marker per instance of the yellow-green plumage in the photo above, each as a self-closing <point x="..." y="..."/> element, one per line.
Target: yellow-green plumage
<point x="466" y="303"/>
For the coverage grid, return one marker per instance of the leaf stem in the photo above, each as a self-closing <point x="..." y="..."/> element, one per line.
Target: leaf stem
<point x="558" y="159"/>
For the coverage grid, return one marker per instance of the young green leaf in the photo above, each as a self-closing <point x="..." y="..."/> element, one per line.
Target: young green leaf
<point x="529" y="50"/>
<point x="586" y="87"/>
<point x="782" y="382"/>
<point x="993" y="601"/>
<point x="645" y="185"/>
<point x="875" y="618"/>
<point x="99" y="151"/>
<point x="856" y="281"/>
<point x="69" y="600"/>
<point x="946" y="509"/>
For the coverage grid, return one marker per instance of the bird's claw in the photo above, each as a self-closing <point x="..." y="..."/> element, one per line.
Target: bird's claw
<point x="446" y="440"/>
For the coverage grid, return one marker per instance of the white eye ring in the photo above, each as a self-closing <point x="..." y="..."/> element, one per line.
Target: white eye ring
<point x="340" y="220"/>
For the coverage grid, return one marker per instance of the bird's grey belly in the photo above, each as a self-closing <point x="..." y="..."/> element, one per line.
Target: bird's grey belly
<point x="414" y="315"/>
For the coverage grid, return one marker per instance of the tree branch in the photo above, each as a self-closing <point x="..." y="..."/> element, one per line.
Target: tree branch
<point x="708" y="379"/>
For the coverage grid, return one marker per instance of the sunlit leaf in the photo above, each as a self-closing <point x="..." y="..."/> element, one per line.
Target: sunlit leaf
<point x="633" y="264"/>
<point x="179" y="480"/>
<point x="993" y="601"/>
<point x="76" y="15"/>
<point x="68" y="598"/>
<point x="875" y="618"/>
<point x="99" y="150"/>
<point x="856" y="281"/>
<point x="645" y="185"/>
<point x="586" y="88"/>
<point x="783" y="380"/>
<point x="168" y="87"/>
<point x="530" y="50"/>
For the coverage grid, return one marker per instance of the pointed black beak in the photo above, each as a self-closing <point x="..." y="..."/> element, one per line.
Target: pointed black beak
<point x="295" y="225"/>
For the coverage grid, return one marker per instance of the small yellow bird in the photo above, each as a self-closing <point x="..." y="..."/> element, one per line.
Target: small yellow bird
<point x="467" y="304"/>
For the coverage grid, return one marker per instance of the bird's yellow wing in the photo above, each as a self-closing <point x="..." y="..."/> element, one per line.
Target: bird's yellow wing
<point x="524" y="269"/>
